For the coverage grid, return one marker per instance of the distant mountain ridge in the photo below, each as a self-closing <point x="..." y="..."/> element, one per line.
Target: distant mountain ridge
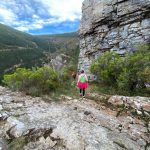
<point x="10" y="37"/>
<point x="19" y="49"/>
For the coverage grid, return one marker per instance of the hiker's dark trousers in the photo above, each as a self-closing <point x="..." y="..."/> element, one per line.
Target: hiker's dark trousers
<point x="82" y="92"/>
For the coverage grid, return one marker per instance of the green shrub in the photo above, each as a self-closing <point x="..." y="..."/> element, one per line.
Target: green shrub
<point x="145" y="75"/>
<point x="33" y="81"/>
<point x="134" y="65"/>
<point x="106" y="69"/>
<point x="129" y="73"/>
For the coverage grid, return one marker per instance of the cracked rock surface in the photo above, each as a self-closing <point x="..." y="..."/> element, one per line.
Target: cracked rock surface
<point x="71" y="124"/>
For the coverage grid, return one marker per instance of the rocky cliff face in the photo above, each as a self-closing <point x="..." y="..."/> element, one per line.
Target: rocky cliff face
<point x="116" y="25"/>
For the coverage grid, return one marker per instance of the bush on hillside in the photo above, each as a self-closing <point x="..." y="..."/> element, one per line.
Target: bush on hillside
<point x="35" y="81"/>
<point x="127" y="73"/>
<point x="106" y="69"/>
<point x="20" y="57"/>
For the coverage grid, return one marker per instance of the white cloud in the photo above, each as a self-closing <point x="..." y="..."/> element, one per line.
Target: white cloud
<point x="64" y="9"/>
<point x="22" y="28"/>
<point x="7" y="15"/>
<point x="34" y="16"/>
<point x="29" y="27"/>
<point x="26" y="26"/>
<point x="26" y="15"/>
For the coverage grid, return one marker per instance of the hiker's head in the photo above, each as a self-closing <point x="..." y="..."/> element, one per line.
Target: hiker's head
<point x="82" y="71"/>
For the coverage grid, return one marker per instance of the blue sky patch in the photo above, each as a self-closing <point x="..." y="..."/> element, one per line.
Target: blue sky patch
<point x="41" y="16"/>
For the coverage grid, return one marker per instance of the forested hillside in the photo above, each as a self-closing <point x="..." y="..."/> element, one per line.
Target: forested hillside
<point x="67" y="43"/>
<point x="19" y="49"/>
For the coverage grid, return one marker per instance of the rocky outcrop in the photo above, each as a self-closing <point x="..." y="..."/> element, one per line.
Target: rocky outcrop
<point x="71" y="124"/>
<point x="141" y="104"/>
<point x="58" y="61"/>
<point x="115" y="25"/>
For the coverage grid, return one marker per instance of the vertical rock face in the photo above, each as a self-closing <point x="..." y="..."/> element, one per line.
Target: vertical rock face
<point x="115" y="25"/>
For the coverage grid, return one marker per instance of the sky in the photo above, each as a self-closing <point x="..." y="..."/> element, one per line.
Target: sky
<point x="41" y="16"/>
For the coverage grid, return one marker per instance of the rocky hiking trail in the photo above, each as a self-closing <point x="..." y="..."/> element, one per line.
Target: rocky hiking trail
<point x="71" y="124"/>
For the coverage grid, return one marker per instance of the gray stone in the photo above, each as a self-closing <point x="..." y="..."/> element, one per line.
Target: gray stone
<point x="137" y="104"/>
<point x="116" y="100"/>
<point x="145" y="23"/>
<point x="4" y="115"/>
<point x="149" y="126"/>
<point x="148" y="148"/>
<point x="139" y="112"/>
<point x="1" y="107"/>
<point x="3" y="145"/>
<point x="141" y="142"/>
<point x="123" y="44"/>
<point x="110" y="23"/>
<point x="135" y="25"/>
<point x="17" y="128"/>
<point x="59" y="61"/>
<point x="73" y="124"/>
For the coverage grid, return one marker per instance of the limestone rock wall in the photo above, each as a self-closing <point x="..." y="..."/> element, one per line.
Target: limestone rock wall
<point x="116" y="25"/>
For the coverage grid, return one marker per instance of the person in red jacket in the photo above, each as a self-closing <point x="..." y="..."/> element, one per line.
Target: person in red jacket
<point x="82" y="83"/>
